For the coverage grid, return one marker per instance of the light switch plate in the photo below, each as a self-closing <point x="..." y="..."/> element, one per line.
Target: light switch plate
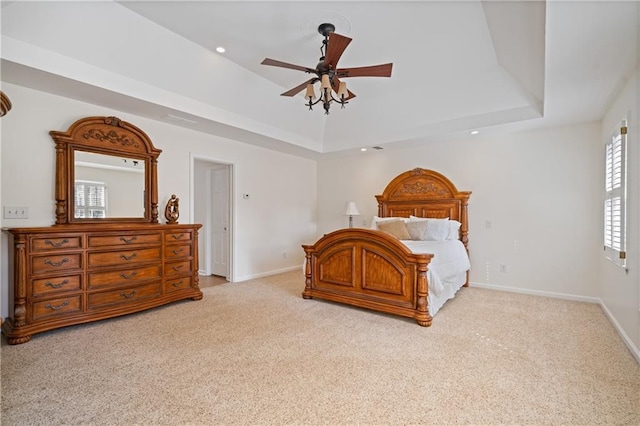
<point x="11" y="212"/>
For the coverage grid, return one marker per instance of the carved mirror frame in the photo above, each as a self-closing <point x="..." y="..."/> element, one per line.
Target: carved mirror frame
<point x="109" y="136"/>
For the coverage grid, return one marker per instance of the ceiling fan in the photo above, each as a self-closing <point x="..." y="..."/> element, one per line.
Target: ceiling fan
<point x="328" y="73"/>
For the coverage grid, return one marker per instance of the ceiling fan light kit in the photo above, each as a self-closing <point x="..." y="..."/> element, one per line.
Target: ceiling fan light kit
<point x="328" y="73"/>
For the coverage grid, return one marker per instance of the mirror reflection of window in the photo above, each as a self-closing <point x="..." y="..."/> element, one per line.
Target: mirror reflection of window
<point x="123" y="176"/>
<point x="90" y="200"/>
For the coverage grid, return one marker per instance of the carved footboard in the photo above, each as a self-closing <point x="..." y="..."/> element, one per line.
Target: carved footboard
<point x="369" y="269"/>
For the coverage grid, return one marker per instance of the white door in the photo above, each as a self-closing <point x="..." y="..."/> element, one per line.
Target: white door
<point x="220" y="221"/>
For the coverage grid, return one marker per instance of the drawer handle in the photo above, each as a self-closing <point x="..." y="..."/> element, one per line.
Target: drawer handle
<point x="125" y="257"/>
<point x="178" y="284"/>
<point x="52" y="285"/>
<point x="60" y="244"/>
<point x="128" y="295"/>
<point x="128" y="277"/>
<point x="176" y="252"/>
<point x="177" y="237"/>
<point x="56" y="308"/>
<point x="56" y="264"/>
<point x="177" y="268"/>
<point x="128" y="241"/>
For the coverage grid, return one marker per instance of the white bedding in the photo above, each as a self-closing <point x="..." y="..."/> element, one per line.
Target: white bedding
<point x="447" y="269"/>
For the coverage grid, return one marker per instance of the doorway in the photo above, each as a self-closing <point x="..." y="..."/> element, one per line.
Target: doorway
<point x="212" y="207"/>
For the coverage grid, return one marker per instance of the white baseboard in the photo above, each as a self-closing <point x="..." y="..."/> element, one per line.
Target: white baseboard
<point x="266" y="274"/>
<point x="625" y="338"/>
<point x="538" y="293"/>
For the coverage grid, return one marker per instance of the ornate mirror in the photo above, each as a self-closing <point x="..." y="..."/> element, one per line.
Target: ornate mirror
<point x="106" y="171"/>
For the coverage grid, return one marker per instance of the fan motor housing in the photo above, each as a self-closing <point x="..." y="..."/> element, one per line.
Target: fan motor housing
<point x="326" y="28"/>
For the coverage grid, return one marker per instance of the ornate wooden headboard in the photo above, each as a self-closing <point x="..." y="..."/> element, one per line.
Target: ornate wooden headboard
<point x="425" y="193"/>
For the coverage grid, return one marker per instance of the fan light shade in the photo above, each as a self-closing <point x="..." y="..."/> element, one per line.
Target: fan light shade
<point x="342" y="90"/>
<point x="325" y="82"/>
<point x="311" y="94"/>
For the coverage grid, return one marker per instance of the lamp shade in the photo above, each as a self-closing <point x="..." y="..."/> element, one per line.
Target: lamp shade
<point x="342" y="90"/>
<point x="352" y="210"/>
<point x="310" y="92"/>
<point x="325" y="82"/>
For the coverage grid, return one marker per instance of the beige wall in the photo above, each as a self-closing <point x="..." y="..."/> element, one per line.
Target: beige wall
<point x="620" y="288"/>
<point x="277" y="219"/>
<point x="540" y="191"/>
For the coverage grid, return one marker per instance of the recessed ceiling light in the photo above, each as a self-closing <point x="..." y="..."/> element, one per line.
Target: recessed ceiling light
<point x="220" y="49"/>
<point x="474" y="132"/>
<point x="363" y="149"/>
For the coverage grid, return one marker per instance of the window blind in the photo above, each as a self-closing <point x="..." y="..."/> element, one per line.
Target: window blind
<point x="615" y="198"/>
<point x="90" y="199"/>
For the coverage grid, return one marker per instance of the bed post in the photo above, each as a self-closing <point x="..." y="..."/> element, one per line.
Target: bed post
<point x="307" y="274"/>
<point x="465" y="228"/>
<point x="465" y="223"/>
<point x="422" y="310"/>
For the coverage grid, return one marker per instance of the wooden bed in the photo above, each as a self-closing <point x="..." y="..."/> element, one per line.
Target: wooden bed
<point x="372" y="269"/>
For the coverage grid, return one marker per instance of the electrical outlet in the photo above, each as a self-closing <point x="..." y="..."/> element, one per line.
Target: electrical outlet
<point x="16" y="212"/>
<point x="503" y="268"/>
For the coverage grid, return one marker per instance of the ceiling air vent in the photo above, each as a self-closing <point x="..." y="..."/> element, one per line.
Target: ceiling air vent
<point x="178" y="120"/>
<point x="378" y="148"/>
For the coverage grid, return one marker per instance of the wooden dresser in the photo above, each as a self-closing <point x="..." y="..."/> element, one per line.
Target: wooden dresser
<point x="72" y="274"/>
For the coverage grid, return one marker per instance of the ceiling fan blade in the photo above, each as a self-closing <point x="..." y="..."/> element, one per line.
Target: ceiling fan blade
<point x="281" y="64"/>
<point x="335" y="85"/>
<point x="336" y="45"/>
<point x="383" y="70"/>
<point x="299" y="88"/>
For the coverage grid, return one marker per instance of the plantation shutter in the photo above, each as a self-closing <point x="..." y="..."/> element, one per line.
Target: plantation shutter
<point x="90" y="199"/>
<point x="615" y="198"/>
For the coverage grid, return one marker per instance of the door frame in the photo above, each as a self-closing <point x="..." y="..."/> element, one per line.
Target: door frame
<point x="207" y="243"/>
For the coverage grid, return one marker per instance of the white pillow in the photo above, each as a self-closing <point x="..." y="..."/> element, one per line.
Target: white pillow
<point x="384" y="219"/>
<point x="454" y="230"/>
<point x="438" y="229"/>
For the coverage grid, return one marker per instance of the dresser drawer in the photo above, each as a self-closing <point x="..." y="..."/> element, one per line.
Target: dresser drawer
<point x="175" y="251"/>
<point x="177" y="268"/>
<point x="51" y="285"/>
<point x="56" y="243"/>
<point x="178" y="236"/>
<point x="123" y="257"/>
<point x="123" y="240"/>
<point x="60" y="262"/>
<point x="124" y="277"/>
<point x="57" y="307"/>
<point x="177" y="284"/>
<point x="124" y="295"/>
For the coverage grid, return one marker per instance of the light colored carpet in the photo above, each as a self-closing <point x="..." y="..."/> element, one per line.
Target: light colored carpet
<point x="257" y="353"/>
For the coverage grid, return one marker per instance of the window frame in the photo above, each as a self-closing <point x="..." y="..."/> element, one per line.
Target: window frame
<point x="615" y="200"/>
